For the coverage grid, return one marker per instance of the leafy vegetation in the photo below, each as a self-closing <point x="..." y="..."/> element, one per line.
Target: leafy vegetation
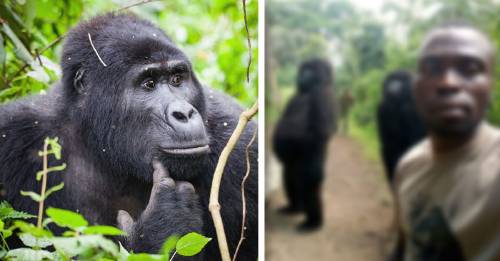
<point x="80" y="240"/>
<point x="212" y="33"/>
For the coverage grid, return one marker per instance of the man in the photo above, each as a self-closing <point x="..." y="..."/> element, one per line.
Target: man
<point x="448" y="186"/>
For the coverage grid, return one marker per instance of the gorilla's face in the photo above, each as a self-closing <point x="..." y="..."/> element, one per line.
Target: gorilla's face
<point x="313" y="75"/>
<point x="150" y="108"/>
<point x="166" y="94"/>
<point x="166" y="99"/>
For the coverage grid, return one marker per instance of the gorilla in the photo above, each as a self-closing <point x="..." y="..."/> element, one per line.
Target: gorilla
<point x="141" y="138"/>
<point x="301" y="137"/>
<point x="399" y="125"/>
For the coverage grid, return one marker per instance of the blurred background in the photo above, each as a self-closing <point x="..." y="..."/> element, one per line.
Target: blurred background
<point x="212" y="33"/>
<point x="365" y="41"/>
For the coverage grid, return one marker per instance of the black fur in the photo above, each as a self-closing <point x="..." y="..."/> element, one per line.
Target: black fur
<point x="111" y="129"/>
<point x="301" y="138"/>
<point x="399" y="125"/>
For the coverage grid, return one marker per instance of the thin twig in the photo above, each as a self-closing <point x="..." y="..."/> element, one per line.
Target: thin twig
<point x="93" y="47"/>
<point x="214" y="205"/>
<point x="173" y="255"/>
<point x="248" y="40"/>
<point x="44" y="183"/>
<point x="37" y="54"/>
<point x="243" y="198"/>
<point x="132" y="5"/>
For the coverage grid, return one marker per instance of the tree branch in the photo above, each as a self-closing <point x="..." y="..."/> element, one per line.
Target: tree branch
<point x="214" y="205"/>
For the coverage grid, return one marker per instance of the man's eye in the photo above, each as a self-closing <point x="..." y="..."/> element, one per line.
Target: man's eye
<point x="431" y="67"/>
<point x="149" y="84"/>
<point x="176" y="80"/>
<point x="470" y="68"/>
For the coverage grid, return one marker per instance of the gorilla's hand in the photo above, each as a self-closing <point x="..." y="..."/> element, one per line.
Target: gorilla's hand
<point x="173" y="209"/>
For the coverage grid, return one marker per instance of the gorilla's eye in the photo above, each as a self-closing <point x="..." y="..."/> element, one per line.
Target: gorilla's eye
<point x="148" y="84"/>
<point x="176" y="80"/>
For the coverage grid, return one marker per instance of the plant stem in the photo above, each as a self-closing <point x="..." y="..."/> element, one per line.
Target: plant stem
<point x="172" y="257"/>
<point x="44" y="184"/>
<point x="214" y="205"/>
<point x="5" y="245"/>
<point x="243" y="198"/>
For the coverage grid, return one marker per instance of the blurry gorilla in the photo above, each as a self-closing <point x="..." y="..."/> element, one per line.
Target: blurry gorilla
<point x="140" y="136"/>
<point x="301" y="138"/>
<point x="399" y="125"/>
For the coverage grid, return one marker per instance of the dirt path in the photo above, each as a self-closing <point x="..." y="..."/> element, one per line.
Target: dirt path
<point x="358" y="212"/>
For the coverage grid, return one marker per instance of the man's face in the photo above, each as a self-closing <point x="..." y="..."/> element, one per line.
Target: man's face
<point x="452" y="90"/>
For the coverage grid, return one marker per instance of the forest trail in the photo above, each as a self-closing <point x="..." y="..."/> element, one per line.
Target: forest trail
<point x="358" y="212"/>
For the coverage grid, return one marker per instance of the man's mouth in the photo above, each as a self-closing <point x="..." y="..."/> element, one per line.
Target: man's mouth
<point x="452" y="112"/>
<point x="198" y="150"/>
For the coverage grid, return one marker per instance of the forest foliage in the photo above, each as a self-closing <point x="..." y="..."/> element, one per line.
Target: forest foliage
<point x="364" y="46"/>
<point x="212" y="33"/>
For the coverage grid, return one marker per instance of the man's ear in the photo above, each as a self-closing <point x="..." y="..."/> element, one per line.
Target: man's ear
<point x="78" y="81"/>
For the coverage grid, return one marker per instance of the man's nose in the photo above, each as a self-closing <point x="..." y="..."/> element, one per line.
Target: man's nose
<point x="449" y="82"/>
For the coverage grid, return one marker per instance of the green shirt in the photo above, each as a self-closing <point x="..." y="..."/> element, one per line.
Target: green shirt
<point x="449" y="204"/>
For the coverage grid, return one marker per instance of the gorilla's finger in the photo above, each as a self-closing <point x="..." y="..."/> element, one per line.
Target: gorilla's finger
<point x="125" y="221"/>
<point x="166" y="183"/>
<point x="159" y="171"/>
<point x="184" y="186"/>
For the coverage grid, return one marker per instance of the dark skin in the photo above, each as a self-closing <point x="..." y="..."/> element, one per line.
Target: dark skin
<point x="452" y="90"/>
<point x="454" y="84"/>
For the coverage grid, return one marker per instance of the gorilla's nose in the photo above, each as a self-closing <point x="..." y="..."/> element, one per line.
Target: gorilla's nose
<point x="183" y="117"/>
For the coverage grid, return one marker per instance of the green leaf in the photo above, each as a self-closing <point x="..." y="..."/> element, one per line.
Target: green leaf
<point x="73" y="246"/>
<point x="55" y="148"/>
<point x="66" y="218"/>
<point x="31" y="241"/>
<point x="30" y="12"/>
<point x="169" y="245"/>
<point x="122" y="253"/>
<point x="54" y="189"/>
<point x="30" y="229"/>
<point x="24" y="254"/>
<point x="191" y="244"/>
<point x="46" y="222"/>
<point x="20" y="49"/>
<point x="19" y="215"/>
<point x="34" y="196"/>
<point x="7" y="233"/>
<point x="39" y="74"/>
<point x="10" y="91"/>
<point x="103" y="230"/>
<point x="5" y="209"/>
<point x="144" y="257"/>
<point x="69" y="233"/>
<point x="49" y="64"/>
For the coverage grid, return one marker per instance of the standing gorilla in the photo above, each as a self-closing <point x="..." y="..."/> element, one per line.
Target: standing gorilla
<point x="398" y="122"/>
<point x="301" y="137"/>
<point x="140" y="136"/>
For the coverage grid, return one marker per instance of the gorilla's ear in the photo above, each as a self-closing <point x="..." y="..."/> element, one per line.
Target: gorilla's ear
<point x="78" y="82"/>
